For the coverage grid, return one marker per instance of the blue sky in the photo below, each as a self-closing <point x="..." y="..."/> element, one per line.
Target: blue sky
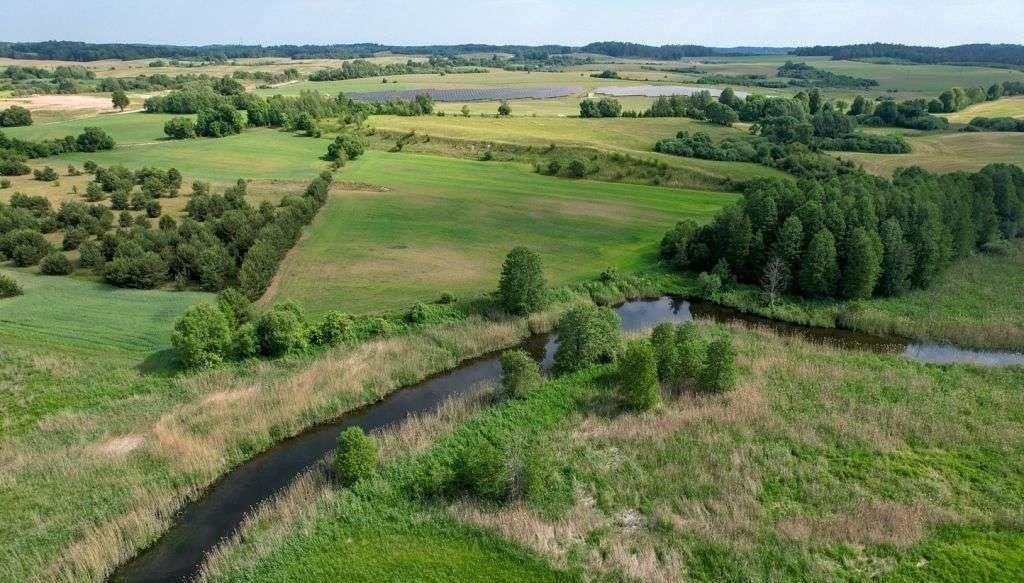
<point x="723" y="23"/>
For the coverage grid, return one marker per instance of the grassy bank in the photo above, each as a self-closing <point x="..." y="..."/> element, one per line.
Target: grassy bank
<point x="822" y="465"/>
<point x="98" y="451"/>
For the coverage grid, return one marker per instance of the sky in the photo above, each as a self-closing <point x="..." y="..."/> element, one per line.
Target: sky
<point x="573" y="22"/>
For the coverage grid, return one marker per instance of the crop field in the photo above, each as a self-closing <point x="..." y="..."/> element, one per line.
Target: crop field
<point x="427" y="225"/>
<point x="948" y="152"/>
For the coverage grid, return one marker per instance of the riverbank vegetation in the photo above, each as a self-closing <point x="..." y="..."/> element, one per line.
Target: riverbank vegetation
<point x="708" y="485"/>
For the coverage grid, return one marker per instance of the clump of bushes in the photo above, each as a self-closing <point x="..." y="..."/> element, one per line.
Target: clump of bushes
<point x="230" y="330"/>
<point x="684" y="359"/>
<point x="180" y="128"/>
<point x="8" y="287"/>
<point x="347" y="146"/>
<point x="355" y="456"/>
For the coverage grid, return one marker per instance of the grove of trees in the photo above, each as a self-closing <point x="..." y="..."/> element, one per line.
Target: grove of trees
<point x="853" y="235"/>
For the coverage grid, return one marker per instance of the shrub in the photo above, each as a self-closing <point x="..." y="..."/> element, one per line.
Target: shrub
<point x="93" y="140"/>
<point x="586" y="335"/>
<point x="576" y="168"/>
<point x="638" y="377"/>
<point x="236" y="307"/>
<point x="90" y="255"/>
<point x="333" y="328"/>
<point x="180" y="128"/>
<point x="355" y="457"/>
<point x="504" y="109"/>
<point x="8" y="287"/>
<point x="708" y="284"/>
<point x="666" y="350"/>
<point x="519" y="373"/>
<point x="220" y="120"/>
<point x="73" y="238"/>
<point x="522" y="288"/>
<point x="15" y="115"/>
<point x="153" y="209"/>
<point x="346" y="147"/>
<point x="25" y="247"/>
<point x="202" y="336"/>
<point x="482" y="469"/>
<point x="282" y="330"/>
<point x="5" y="183"/>
<point x="56" y="263"/>
<point x="135" y="268"/>
<point x="45" y="174"/>
<point x="691" y="350"/>
<point x="719" y="374"/>
<point x="245" y="342"/>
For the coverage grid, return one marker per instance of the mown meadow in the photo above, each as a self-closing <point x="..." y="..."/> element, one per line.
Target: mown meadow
<point x="402" y="228"/>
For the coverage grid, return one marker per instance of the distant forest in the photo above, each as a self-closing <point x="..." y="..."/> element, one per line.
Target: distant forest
<point x="80" y="51"/>
<point x="977" y="54"/>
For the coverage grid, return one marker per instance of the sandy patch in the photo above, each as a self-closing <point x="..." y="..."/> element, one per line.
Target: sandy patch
<point x="60" y="102"/>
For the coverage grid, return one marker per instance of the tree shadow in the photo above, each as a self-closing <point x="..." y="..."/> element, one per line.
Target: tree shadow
<point x="165" y="362"/>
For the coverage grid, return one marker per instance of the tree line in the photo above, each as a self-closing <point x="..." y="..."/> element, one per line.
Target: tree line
<point x="853" y="235"/>
<point x="804" y="75"/>
<point x="972" y="54"/>
<point x="361" y="69"/>
<point x="15" y="151"/>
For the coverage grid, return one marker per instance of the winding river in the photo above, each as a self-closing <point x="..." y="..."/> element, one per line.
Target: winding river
<point x="201" y="525"/>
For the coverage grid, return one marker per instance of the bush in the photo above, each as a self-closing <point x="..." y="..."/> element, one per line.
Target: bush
<point x="56" y="263"/>
<point x="691" y="350"/>
<point x="93" y="140"/>
<point x="519" y="373"/>
<point x="153" y="209"/>
<point x="5" y="183"/>
<point x="346" y="147"/>
<point x="576" y="168"/>
<point x="180" y="128"/>
<point x="666" y="350"/>
<point x="45" y="174"/>
<point x="522" y="288"/>
<point x="218" y="121"/>
<point x="245" y="342"/>
<point x="333" y="328"/>
<point x="282" y="330"/>
<point x="73" y="238"/>
<point x="236" y="307"/>
<point x="8" y="287"/>
<point x="355" y="457"/>
<point x="586" y="335"/>
<point x="482" y="469"/>
<point x="638" y="377"/>
<point x="25" y="247"/>
<point x="708" y="284"/>
<point x="90" y="255"/>
<point x="15" y="116"/>
<point x="202" y="336"/>
<point x="719" y="374"/>
<point x="135" y="268"/>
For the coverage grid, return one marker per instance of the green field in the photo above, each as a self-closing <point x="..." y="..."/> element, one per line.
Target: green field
<point x="76" y="315"/>
<point x="430" y="225"/>
<point x="127" y="129"/>
<point x="948" y="152"/>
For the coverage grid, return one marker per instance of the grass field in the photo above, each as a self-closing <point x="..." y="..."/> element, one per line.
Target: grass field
<point x="434" y="225"/>
<point x="948" y="152"/>
<point x="822" y="465"/>
<point x="1005" y="107"/>
<point x="126" y="129"/>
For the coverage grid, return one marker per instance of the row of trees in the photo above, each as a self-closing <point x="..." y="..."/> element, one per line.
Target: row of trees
<point x="14" y="151"/>
<point x="361" y="68"/>
<point x="802" y="74"/>
<point x="853" y="235"/>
